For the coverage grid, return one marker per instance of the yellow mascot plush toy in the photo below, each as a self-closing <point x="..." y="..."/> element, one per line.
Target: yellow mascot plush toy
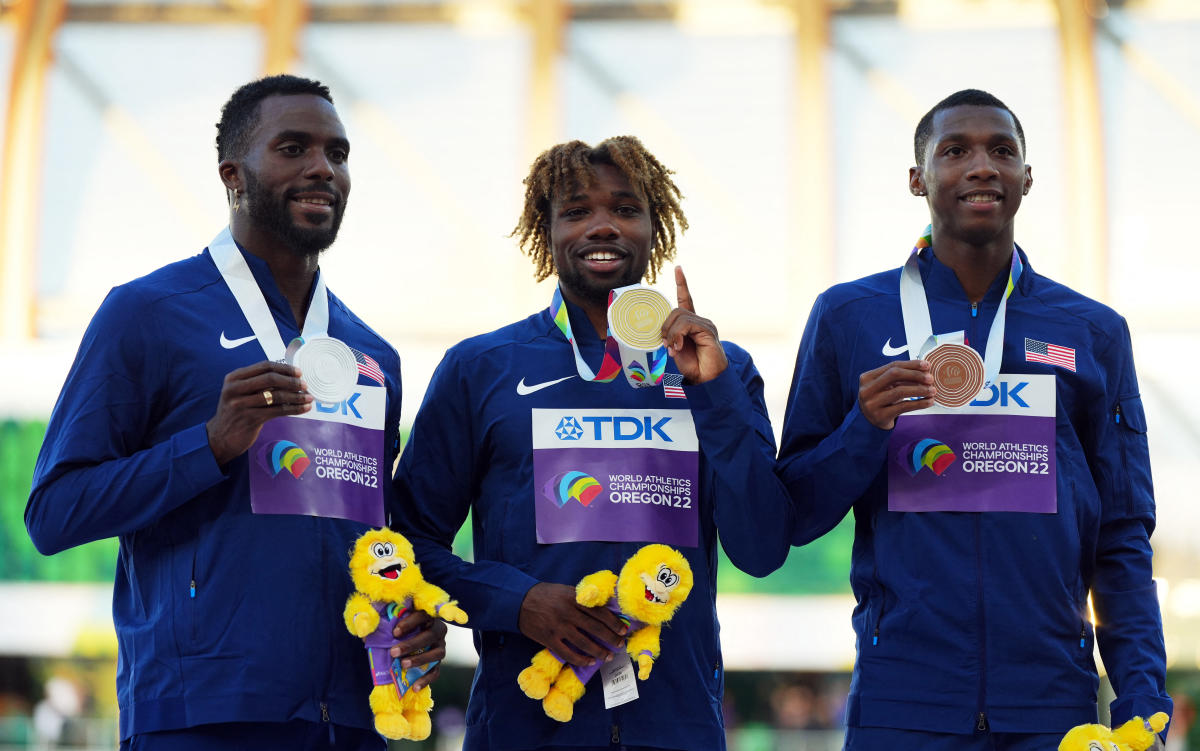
<point x="1135" y="735"/>
<point x="388" y="583"/>
<point x="651" y="587"/>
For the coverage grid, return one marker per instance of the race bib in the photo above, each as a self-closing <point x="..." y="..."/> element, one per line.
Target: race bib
<point x="326" y="462"/>
<point x="994" y="454"/>
<point x="616" y="476"/>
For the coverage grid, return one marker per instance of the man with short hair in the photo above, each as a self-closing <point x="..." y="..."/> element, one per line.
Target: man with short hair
<point x="509" y="414"/>
<point x="984" y="424"/>
<point x="235" y="525"/>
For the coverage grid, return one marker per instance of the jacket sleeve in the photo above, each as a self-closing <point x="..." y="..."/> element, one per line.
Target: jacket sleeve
<point x="1129" y="624"/>
<point x="98" y="475"/>
<point x="830" y="453"/>
<point x="436" y="482"/>
<point x="753" y="512"/>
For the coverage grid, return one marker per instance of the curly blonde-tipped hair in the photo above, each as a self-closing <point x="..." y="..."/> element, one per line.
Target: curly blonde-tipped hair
<point x="560" y="168"/>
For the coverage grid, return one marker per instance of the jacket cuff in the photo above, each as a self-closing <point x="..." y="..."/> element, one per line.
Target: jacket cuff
<point x="192" y="458"/>
<point x="861" y="439"/>
<point x="719" y="392"/>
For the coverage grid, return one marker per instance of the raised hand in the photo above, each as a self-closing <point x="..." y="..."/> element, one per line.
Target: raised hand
<point x="691" y="340"/>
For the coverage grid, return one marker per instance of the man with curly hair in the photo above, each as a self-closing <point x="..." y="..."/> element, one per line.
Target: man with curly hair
<point x="567" y="468"/>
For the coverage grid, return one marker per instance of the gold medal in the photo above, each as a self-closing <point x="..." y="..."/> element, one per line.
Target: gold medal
<point x="637" y="316"/>
<point x="957" y="372"/>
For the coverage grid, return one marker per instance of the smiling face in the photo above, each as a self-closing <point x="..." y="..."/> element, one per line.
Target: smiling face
<point x="382" y="565"/>
<point x="600" y="236"/>
<point x="653" y="583"/>
<point x="974" y="175"/>
<point x="294" y="175"/>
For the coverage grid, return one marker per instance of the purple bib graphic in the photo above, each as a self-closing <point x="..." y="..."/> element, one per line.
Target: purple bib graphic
<point x="995" y="454"/>
<point x="615" y="476"/>
<point x="328" y="462"/>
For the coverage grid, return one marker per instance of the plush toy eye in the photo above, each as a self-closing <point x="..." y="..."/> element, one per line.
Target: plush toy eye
<point x="667" y="577"/>
<point x="382" y="550"/>
<point x="1096" y="746"/>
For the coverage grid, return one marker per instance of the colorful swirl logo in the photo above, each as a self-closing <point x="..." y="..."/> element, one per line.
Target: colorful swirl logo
<point x="573" y="485"/>
<point x="637" y="372"/>
<point x="285" y="455"/>
<point x="931" y="453"/>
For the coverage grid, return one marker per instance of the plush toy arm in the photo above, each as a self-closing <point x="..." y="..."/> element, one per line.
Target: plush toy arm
<point x="434" y="601"/>
<point x="643" y="647"/>
<point x="361" y="618"/>
<point x="1139" y="734"/>
<point x="595" y="589"/>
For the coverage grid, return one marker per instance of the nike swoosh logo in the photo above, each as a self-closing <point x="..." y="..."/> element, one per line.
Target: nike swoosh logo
<point x="523" y="390"/>
<point x="231" y="343"/>
<point x="890" y="351"/>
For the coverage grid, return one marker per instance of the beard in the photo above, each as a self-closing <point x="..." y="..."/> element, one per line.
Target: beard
<point x="274" y="215"/>
<point x="587" y="290"/>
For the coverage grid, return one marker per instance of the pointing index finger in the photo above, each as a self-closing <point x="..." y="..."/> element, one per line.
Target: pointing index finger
<point x="683" y="296"/>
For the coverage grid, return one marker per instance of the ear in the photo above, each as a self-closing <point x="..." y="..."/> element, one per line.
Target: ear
<point x="916" y="181"/>
<point x="1028" y="180"/>
<point x="231" y="174"/>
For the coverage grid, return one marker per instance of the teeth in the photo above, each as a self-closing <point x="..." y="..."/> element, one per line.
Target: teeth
<point x="601" y="255"/>
<point x="982" y="197"/>
<point x="318" y="201"/>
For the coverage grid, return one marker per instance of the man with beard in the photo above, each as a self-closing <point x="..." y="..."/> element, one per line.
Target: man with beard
<point x="983" y="521"/>
<point x="234" y="525"/>
<point x="567" y="468"/>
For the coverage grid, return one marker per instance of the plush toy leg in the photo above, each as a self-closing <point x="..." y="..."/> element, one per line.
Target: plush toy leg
<point x="389" y="722"/>
<point x="416" y="711"/>
<point x="560" y="700"/>
<point x="535" y="680"/>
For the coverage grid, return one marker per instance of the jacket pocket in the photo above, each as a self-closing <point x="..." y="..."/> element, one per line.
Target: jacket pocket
<point x="1136" y="484"/>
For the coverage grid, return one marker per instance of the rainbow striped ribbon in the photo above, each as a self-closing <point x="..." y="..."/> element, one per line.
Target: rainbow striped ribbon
<point x="610" y="367"/>
<point x="918" y="330"/>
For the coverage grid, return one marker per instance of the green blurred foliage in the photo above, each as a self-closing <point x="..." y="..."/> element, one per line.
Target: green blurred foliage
<point x="820" y="568"/>
<point x="19" y="561"/>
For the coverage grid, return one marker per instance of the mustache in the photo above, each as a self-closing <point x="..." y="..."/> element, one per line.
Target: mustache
<point x="333" y="194"/>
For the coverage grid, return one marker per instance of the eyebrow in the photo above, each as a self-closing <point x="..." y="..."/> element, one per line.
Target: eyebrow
<point x="615" y="194"/>
<point x="993" y="138"/>
<point x="305" y="137"/>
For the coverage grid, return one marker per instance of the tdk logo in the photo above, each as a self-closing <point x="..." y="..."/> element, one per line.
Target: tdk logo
<point x="1002" y="396"/>
<point x="346" y="407"/>
<point x="617" y="428"/>
<point x="568" y="429"/>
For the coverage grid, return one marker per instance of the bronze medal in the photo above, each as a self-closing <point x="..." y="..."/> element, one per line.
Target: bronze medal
<point x="957" y="372"/>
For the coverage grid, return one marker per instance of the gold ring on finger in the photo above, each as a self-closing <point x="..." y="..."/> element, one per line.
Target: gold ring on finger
<point x="269" y="397"/>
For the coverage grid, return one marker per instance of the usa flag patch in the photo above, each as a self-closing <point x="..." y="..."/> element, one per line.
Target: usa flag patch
<point x="1051" y="354"/>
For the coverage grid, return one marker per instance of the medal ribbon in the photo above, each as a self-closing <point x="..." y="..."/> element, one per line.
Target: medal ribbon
<point x="914" y="308"/>
<point x="244" y="286"/>
<point x="638" y="375"/>
<point x="610" y="367"/>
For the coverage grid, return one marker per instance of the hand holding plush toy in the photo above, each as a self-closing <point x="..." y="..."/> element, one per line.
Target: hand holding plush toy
<point x="651" y="587"/>
<point x="1135" y="735"/>
<point x="388" y="583"/>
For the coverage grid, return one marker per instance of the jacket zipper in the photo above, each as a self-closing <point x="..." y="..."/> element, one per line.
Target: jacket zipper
<point x="981" y="723"/>
<point x="974" y="309"/>
<point x="1082" y="634"/>
<point x="322" y="686"/>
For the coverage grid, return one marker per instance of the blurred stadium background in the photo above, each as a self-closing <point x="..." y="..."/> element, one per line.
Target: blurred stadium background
<point x="789" y="123"/>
